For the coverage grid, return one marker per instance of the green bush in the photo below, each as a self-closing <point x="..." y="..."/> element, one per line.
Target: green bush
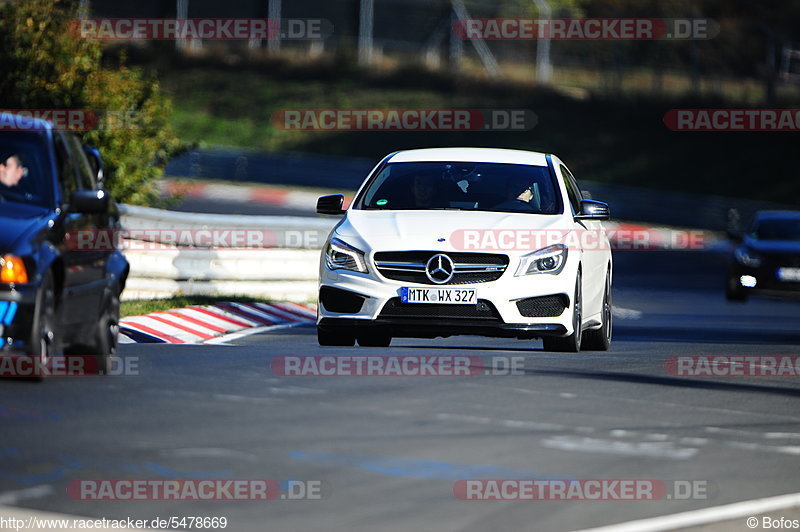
<point x="45" y="65"/>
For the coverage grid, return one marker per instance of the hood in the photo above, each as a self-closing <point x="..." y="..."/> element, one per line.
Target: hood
<point x="16" y="221"/>
<point x="423" y="230"/>
<point x="774" y="247"/>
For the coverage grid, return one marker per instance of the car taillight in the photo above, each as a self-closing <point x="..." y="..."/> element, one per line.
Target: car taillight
<point x="12" y="270"/>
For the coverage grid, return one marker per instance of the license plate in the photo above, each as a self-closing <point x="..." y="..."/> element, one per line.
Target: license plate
<point x="789" y="274"/>
<point x="452" y="296"/>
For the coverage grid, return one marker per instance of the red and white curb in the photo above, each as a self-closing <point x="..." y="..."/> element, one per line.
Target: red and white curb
<point x="201" y="324"/>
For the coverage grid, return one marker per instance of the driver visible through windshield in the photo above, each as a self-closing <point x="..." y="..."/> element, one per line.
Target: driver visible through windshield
<point x="24" y="165"/>
<point x="463" y="186"/>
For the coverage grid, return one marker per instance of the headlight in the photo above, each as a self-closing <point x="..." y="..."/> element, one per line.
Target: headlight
<point x="547" y="260"/>
<point x="341" y="256"/>
<point x="746" y="257"/>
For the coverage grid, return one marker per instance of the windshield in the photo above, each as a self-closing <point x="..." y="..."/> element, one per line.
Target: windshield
<point x="463" y="186"/>
<point x="24" y="168"/>
<point x="777" y="229"/>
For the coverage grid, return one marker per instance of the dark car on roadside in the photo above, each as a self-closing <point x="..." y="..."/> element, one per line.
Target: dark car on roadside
<point x="56" y="298"/>
<point x="766" y="260"/>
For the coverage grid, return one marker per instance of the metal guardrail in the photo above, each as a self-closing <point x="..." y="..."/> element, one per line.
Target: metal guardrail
<point x="283" y="265"/>
<point x="295" y="232"/>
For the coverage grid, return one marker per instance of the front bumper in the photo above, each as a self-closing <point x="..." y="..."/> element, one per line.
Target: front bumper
<point x="17" y="311"/>
<point x="767" y="282"/>
<point x="380" y="306"/>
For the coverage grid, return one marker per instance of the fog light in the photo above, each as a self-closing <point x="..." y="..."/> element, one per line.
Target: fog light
<point x="12" y="270"/>
<point x="748" y="281"/>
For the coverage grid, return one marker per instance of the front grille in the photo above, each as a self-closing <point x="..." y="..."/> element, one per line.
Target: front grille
<point x="483" y="310"/>
<point x="409" y="266"/>
<point x="782" y="261"/>
<point x="543" y="307"/>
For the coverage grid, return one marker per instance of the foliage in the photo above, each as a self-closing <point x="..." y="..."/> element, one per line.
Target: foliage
<point x="46" y="65"/>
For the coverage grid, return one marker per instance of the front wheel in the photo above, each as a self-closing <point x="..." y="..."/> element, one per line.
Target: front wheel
<point x="107" y="336"/>
<point x="734" y="291"/>
<point x="571" y="343"/>
<point x="44" y="342"/>
<point x="600" y="339"/>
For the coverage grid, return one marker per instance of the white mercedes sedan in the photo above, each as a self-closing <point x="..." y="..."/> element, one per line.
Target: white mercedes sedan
<point x="446" y="241"/>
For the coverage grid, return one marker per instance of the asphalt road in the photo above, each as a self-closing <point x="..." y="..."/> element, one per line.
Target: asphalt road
<point x="387" y="451"/>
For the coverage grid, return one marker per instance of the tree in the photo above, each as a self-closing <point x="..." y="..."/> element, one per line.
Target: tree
<point x="47" y="65"/>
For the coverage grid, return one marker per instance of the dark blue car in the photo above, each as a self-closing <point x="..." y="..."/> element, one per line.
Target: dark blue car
<point x="55" y="297"/>
<point x="767" y="259"/>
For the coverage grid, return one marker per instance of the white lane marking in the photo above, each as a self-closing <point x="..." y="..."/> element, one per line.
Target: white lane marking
<point x="693" y="441"/>
<point x="753" y="433"/>
<point x="35" y="492"/>
<point x="622" y="313"/>
<point x="222" y="340"/>
<point x="598" y="445"/>
<point x="246" y="399"/>
<point x="705" y="516"/>
<point x="209" y="452"/>
<point x="752" y="446"/>
<point x="781" y="435"/>
<point x="294" y="390"/>
<point x="508" y="423"/>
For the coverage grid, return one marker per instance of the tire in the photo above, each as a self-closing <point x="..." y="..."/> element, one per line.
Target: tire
<point x="331" y="336"/>
<point x="106" y="336"/>
<point x="571" y="343"/>
<point x="44" y="338"/>
<point x="374" y="339"/>
<point x="734" y="291"/>
<point x="600" y="339"/>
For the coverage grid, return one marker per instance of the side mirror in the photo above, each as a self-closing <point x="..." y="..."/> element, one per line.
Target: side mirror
<point x="96" y="161"/>
<point x="593" y="210"/>
<point x="89" y="201"/>
<point x="330" y="204"/>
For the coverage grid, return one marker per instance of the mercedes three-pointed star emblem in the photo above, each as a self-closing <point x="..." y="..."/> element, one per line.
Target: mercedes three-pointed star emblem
<point x="439" y="269"/>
